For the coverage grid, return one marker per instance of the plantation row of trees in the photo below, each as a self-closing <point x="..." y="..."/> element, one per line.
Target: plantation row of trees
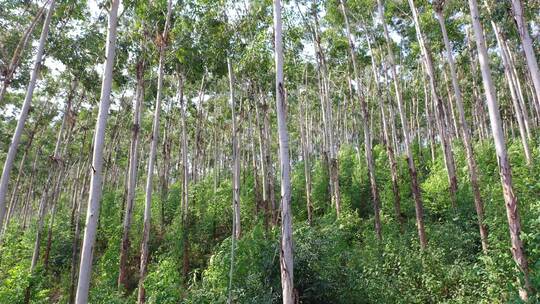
<point x="338" y="151"/>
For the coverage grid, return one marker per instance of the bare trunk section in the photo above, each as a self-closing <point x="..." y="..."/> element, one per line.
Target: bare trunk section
<point x="367" y="130"/>
<point x="92" y="213"/>
<point x="419" y="207"/>
<point x="151" y="160"/>
<point x="443" y="128"/>
<point x="12" y="151"/>
<point x="514" y="222"/>
<point x="465" y="130"/>
<point x="286" y="250"/>
<point x="132" y="178"/>
<point x="526" y="42"/>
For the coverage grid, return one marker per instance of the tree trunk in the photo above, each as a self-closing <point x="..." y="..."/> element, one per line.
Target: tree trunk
<point x="132" y="177"/>
<point x="92" y="214"/>
<point x="526" y="42"/>
<point x="505" y="172"/>
<point x="367" y="131"/>
<point x="471" y="161"/>
<point x="286" y="252"/>
<point x="151" y="160"/>
<point x="419" y="207"/>
<point x="443" y="128"/>
<point x="12" y="151"/>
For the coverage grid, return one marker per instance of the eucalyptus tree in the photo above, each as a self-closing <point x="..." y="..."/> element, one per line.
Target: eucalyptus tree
<point x="12" y="151"/>
<point x="443" y="131"/>
<point x="162" y="47"/>
<point x="466" y="134"/>
<point x="505" y="172"/>
<point x="365" y="125"/>
<point x="95" y="190"/>
<point x="286" y="252"/>
<point x="419" y="206"/>
<point x="527" y="44"/>
<point x="140" y="66"/>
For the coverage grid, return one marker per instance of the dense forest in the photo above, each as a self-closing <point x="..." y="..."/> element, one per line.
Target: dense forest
<point x="268" y="151"/>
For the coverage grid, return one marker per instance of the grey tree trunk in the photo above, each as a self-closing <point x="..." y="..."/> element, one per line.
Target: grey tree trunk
<point x="132" y="176"/>
<point x="151" y="160"/>
<point x="514" y="222"/>
<point x="465" y="130"/>
<point x="367" y="130"/>
<point x="419" y="206"/>
<point x="92" y="214"/>
<point x="526" y="42"/>
<point x="12" y="151"/>
<point x="443" y="129"/>
<point x="286" y="252"/>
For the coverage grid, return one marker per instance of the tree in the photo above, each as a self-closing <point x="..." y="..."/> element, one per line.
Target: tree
<point x="505" y="172"/>
<point x="466" y="135"/>
<point x="92" y="212"/>
<point x="286" y="252"/>
<point x="12" y="151"/>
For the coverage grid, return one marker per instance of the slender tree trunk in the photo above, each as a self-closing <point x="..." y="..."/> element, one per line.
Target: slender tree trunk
<point x="471" y="162"/>
<point x="76" y="238"/>
<point x="151" y="160"/>
<point x="443" y="130"/>
<point x="514" y="95"/>
<point x="12" y="151"/>
<point x="367" y="131"/>
<point x="92" y="214"/>
<point x="286" y="252"/>
<point x="526" y="42"/>
<point x="185" y="181"/>
<point x="505" y="171"/>
<point x="132" y="177"/>
<point x="419" y="207"/>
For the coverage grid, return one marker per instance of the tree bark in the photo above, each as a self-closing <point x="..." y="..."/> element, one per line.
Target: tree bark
<point x="151" y="160"/>
<point x="505" y="171"/>
<point x="367" y="131"/>
<point x="132" y="177"/>
<point x="443" y="128"/>
<point x="419" y="206"/>
<point x="12" y="151"/>
<point x="526" y="42"/>
<point x="92" y="214"/>
<point x="465" y="130"/>
<point x="286" y="252"/>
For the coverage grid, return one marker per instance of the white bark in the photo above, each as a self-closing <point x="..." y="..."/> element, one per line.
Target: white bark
<point x="526" y="42"/>
<point x="505" y="172"/>
<point x="151" y="160"/>
<point x="12" y="151"/>
<point x="286" y="252"/>
<point x="419" y="207"/>
<point x="95" y="190"/>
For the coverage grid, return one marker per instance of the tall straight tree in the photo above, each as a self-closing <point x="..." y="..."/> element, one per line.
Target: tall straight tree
<point x="419" y="206"/>
<point x="92" y="213"/>
<point x="162" y="45"/>
<point x="442" y="126"/>
<point x="466" y="135"/>
<point x="365" y="125"/>
<point x="132" y="175"/>
<point x="505" y="172"/>
<point x="14" y="145"/>
<point x="286" y="252"/>
<point x="526" y="42"/>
